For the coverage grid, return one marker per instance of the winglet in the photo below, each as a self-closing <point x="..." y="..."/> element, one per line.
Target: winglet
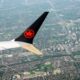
<point x="26" y="38"/>
<point x="28" y="35"/>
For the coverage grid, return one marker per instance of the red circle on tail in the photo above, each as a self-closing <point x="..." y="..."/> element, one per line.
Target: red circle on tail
<point x="29" y="33"/>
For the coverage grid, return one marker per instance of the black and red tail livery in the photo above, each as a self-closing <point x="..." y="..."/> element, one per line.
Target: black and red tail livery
<point x="29" y="34"/>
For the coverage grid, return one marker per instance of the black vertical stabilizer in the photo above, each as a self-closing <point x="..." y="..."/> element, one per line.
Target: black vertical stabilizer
<point x="29" y="34"/>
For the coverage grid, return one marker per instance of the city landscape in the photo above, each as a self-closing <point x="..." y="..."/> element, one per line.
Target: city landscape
<point x="58" y="39"/>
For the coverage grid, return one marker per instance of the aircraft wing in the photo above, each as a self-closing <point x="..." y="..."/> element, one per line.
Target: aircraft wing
<point x="25" y="40"/>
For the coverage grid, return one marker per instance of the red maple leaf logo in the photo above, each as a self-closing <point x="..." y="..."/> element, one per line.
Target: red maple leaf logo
<point x="29" y="33"/>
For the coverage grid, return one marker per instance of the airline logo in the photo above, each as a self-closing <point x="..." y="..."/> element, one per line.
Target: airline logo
<point x="29" y="33"/>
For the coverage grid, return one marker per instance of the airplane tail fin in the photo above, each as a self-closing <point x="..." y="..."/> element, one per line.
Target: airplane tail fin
<point x="28" y="35"/>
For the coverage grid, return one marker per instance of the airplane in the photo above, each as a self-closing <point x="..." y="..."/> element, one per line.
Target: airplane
<point x="25" y="40"/>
